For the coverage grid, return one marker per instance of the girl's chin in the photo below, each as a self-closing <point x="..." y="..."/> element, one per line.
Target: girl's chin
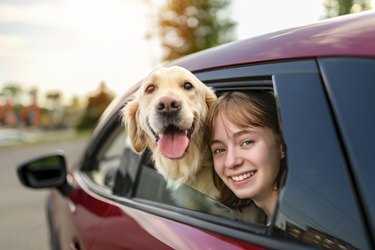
<point x="243" y="193"/>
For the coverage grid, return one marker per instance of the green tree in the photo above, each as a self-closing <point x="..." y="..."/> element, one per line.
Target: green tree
<point x="13" y="90"/>
<point x="343" y="7"/>
<point x="189" y="26"/>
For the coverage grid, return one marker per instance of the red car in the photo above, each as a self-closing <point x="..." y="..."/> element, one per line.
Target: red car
<point x="323" y="77"/>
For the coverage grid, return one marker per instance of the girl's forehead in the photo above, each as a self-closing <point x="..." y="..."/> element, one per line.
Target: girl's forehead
<point x="237" y="117"/>
<point x="224" y="125"/>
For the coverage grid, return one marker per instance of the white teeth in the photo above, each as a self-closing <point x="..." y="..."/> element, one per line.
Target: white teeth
<point x="243" y="176"/>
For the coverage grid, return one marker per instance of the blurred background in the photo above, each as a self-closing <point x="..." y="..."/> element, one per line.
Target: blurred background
<point x="63" y="61"/>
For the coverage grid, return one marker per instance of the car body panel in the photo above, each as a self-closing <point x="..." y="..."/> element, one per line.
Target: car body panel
<point x="331" y="37"/>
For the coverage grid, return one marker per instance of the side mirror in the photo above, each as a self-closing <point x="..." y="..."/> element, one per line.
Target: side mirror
<point x="48" y="171"/>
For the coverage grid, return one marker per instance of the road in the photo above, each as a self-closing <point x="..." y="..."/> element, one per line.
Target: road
<point x="23" y="223"/>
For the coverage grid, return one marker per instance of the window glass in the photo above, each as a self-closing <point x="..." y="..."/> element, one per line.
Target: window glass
<point x="154" y="187"/>
<point x="351" y="82"/>
<point x="109" y="159"/>
<point x="318" y="204"/>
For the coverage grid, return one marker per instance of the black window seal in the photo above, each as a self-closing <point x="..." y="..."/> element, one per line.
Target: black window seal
<point x="257" y="70"/>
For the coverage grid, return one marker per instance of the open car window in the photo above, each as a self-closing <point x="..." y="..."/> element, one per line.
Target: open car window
<point x="148" y="186"/>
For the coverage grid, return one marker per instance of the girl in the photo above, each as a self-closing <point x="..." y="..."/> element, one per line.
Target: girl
<point x="247" y="149"/>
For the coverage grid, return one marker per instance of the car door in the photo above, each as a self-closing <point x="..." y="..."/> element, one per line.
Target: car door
<point x="317" y="207"/>
<point x="144" y="208"/>
<point x="319" y="203"/>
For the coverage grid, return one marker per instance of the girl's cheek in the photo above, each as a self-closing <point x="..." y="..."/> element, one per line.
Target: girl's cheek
<point x="217" y="165"/>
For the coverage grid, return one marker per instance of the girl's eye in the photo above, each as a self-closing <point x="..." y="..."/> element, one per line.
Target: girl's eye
<point x="217" y="151"/>
<point x="150" y="88"/>
<point x="188" y="85"/>
<point x="247" y="142"/>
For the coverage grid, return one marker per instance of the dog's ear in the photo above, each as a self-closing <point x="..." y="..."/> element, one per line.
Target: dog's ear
<point x="130" y="119"/>
<point x="210" y="97"/>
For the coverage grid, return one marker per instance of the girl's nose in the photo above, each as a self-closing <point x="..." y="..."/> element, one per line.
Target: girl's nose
<point x="232" y="159"/>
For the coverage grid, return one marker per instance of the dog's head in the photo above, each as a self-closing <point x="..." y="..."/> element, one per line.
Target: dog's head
<point x="168" y="112"/>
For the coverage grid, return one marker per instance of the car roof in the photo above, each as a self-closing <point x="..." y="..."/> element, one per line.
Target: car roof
<point x="349" y="35"/>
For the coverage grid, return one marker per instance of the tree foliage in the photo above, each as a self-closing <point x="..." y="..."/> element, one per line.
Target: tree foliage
<point x="189" y="26"/>
<point x="11" y="89"/>
<point x="343" y="7"/>
<point x="95" y="107"/>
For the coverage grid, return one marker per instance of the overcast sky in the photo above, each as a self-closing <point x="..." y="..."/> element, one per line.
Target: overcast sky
<point x="73" y="45"/>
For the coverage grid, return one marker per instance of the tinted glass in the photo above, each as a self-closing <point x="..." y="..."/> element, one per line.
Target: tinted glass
<point x="351" y="87"/>
<point x="318" y="204"/>
<point x="154" y="187"/>
<point x="108" y="159"/>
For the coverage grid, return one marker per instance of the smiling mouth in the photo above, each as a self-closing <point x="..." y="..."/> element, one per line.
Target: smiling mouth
<point x="242" y="177"/>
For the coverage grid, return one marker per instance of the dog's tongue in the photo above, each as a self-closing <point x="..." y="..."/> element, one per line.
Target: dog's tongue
<point x="173" y="145"/>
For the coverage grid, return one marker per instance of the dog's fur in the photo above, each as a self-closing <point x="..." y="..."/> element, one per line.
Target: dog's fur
<point x="173" y="100"/>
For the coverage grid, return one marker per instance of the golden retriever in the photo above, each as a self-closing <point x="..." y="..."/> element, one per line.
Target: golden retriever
<point x="168" y="116"/>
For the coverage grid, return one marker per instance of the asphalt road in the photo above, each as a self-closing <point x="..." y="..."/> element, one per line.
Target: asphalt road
<point x="23" y="223"/>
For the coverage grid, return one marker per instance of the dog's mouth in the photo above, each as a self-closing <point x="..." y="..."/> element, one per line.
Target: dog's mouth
<point x="173" y="142"/>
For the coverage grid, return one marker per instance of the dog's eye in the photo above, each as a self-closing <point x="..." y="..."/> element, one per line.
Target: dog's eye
<point x="188" y="85"/>
<point x="150" y="88"/>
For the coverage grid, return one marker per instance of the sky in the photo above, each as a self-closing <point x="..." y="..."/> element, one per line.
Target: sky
<point x="73" y="45"/>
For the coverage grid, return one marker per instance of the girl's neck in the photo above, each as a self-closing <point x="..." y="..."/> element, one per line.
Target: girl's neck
<point x="268" y="205"/>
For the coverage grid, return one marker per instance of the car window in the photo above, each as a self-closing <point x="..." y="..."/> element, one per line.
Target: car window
<point x="108" y="159"/>
<point x="318" y="204"/>
<point x="124" y="173"/>
<point x="153" y="187"/>
<point x="351" y="82"/>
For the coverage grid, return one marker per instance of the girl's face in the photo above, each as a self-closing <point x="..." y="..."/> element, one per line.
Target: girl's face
<point x="247" y="160"/>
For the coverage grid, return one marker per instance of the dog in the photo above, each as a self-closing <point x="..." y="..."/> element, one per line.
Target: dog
<point x="168" y="116"/>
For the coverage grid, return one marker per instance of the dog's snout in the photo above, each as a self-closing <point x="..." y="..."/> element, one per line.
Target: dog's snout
<point x="168" y="105"/>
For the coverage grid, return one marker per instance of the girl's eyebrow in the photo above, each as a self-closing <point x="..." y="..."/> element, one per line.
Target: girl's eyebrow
<point x="237" y="134"/>
<point x="244" y="132"/>
<point x="215" y="141"/>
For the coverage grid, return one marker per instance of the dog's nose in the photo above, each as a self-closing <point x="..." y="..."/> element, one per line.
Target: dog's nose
<point x="168" y="105"/>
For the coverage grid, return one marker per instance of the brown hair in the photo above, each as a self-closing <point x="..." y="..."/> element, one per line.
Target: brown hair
<point x="246" y="109"/>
